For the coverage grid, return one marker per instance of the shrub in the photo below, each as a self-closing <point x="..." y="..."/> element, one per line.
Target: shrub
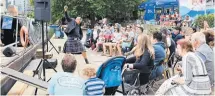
<point x="209" y="18"/>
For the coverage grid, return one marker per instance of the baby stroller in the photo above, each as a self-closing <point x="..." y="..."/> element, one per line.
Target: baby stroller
<point x="111" y="73"/>
<point x="134" y="84"/>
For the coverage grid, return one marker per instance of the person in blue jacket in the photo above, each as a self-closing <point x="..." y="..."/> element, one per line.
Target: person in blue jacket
<point x="160" y="54"/>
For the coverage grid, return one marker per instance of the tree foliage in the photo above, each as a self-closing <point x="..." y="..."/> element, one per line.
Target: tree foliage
<point x="113" y="9"/>
<point x="209" y="18"/>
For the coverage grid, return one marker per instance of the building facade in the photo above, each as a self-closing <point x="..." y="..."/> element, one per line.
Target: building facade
<point x="3" y="6"/>
<point x="23" y="6"/>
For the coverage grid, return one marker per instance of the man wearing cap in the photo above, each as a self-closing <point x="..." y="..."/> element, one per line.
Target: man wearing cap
<point x="73" y="31"/>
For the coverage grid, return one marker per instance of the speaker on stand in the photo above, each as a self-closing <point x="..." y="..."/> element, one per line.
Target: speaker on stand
<point x="42" y="12"/>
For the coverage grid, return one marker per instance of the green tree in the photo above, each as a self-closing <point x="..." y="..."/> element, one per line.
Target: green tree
<point x="113" y="9"/>
<point x="31" y="14"/>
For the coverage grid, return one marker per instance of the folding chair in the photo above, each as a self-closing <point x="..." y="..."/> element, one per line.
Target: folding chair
<point x="153" y="80"/>
<point x="111" y="73"/>
<point x="167" y="74"/>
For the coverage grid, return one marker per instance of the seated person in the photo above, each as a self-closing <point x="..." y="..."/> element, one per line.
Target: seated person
<point x="143" y="59"/>
<point x="100" y="41"/>
<point x="209" y="36"/>
<point x="176" y="32"/>
<point x="8" y="34"/>
<point x="193" y="78"/>
<point x="114" y="42"/>
<point x="66" y="83"/>
<point x="171" y="46"/>
<point x="160" y="54"/>
<point x="117" y="40"/>
<point x="126" y="42"/>
<point x="181" y="35"/>
<point x="94" y="85"/>
<point x="139" y="31"/>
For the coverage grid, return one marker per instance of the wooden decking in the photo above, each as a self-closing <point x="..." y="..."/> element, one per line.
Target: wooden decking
<point x="17" y="62"/>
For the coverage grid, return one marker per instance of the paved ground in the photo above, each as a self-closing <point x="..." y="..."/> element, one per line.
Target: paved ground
<point x="94" y="59"/>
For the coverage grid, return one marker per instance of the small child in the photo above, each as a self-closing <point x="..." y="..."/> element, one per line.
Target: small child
<point x="94" y="85"/>
<point x="100" y="41"/>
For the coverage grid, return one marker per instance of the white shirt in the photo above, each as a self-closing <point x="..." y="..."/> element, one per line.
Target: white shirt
<point x="95" y="34"/>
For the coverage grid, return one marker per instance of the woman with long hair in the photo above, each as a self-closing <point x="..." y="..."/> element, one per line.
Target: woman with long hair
<point x="193" y="78"/>
<point x="143" y="59"/>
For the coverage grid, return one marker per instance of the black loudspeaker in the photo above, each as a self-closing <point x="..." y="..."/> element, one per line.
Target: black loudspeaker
<point x="52" y="63"/>
<point x="9" y="51"/>
<point x="42" y="10"/>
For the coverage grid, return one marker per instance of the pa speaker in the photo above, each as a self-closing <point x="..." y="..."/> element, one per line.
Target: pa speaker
<point x="42" y="10"/>
<point x="9" y="51"/>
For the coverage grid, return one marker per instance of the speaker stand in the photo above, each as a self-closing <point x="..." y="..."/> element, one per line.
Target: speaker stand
<point x="48" y="41"/>
<point x="43" y="60"/>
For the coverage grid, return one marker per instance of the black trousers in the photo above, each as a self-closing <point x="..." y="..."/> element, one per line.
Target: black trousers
<point x="110" y="91"/>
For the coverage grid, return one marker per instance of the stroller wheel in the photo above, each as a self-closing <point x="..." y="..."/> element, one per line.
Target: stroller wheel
<point x="134" y="92"/>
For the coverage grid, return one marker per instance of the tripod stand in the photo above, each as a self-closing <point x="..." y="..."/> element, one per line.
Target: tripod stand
<point x="48" y="41"/>
<point x="44" y="62"/>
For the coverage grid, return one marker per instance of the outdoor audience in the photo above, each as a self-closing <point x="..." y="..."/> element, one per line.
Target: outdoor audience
<point x="193" y="79"/>
<point x="196" y="50"/>
<point x="196" y="73"/>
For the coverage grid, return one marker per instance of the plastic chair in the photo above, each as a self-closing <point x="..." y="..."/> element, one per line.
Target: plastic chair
<point x="111" y="73"/>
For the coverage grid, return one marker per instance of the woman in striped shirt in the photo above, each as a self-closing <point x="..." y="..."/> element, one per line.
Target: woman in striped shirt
<point x="193" y="79"/>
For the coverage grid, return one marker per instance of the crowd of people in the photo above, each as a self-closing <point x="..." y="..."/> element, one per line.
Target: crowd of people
<point x="173" y="19"/>
<point x="196" y="72"/>
<point x="113" y="39"/>
<point x="149" y="54"/>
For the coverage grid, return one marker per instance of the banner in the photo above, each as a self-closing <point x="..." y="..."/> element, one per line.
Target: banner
<point x="150" y="12"/>
<point x="7" y="22"/>
<point x="210" y="6"/>
<point x="193" y="8"/>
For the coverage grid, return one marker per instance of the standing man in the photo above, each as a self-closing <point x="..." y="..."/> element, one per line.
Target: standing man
<point x="73" y="31"/>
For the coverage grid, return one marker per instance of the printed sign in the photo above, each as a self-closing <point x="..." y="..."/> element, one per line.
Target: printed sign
<point x="7" y="22"/>
<point x="194" y="8"/>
